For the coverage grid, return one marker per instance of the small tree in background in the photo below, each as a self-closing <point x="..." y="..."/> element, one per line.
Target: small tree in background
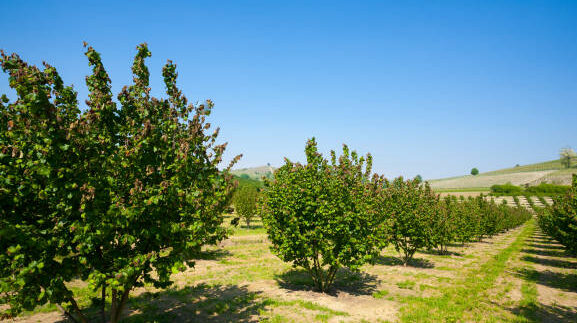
<point x="419" y="178"/>
<point x="245" y="202"/>
<point x="474" y="171"/>
<point x="412" y="208"/>
<point x="324" y="215"/>
<point x="444" y="224"/>
<point x="567" y="154"/>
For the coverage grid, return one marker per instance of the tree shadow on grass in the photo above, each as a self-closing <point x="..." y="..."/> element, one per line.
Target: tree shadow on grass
<point x="546" y="313"/>
<point x="252" y="226"/>
<point x="551" y="262"/>
<point x="354" y="283"/>
<point x="201" y="303"/>
<point x="395" y="261"/>
<point x="562" y="281"/>
<point x="214" y="254"/>
<point x="546" y="246"/>
<point x="436" y="252"/>
<point x="550" y="253"/>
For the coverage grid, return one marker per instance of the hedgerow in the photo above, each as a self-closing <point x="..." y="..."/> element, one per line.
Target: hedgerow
<point x="560" y="219"/>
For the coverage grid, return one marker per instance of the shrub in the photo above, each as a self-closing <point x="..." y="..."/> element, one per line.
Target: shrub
<point x="506" y="189"/>
<point x="474" y="171"/>
<point x="467" y="217"/>
<point x="245" y="202"/>
<point x="111" y="195"/>
<point x="444" y="224"/>
<point x="548" y="189"/>
<point x="324" y="215"/>
<point x="412" y="208"/>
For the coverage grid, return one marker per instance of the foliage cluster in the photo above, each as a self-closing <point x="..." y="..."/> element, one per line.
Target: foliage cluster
<point x="567" y="155"/>
<point x="560" y="219"/>
<point x="412" y="215"/>
<point x="109" y="195"/>
<point x="244" y="200"/>
<point x="322" y="216"/>
<point x="506" y="189"/>
<point x="545" y="188"/>
<point x="542" y="189"/>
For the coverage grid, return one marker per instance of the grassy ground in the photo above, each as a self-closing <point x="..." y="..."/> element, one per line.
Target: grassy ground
<point x="519" y="276"/>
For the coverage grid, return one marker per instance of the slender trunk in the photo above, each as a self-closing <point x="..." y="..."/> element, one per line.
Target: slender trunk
<point x="103" y="305"/>
<point x="331" y="276"/>
<point x="66" y="313"/>
<point x="119" y="306"/>
<point x="113" y="304"/>
<point x="77" y="310"/>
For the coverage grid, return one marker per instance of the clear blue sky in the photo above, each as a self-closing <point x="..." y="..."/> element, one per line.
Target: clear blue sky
<point x="428" y="87"/>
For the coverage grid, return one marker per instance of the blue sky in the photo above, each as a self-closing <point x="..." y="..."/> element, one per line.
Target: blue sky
<point x="428" y="87"/>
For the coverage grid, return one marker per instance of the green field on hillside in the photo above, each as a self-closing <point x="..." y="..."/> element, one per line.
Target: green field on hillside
<point x="548" y="165"/>
<point x="551" y="171"/>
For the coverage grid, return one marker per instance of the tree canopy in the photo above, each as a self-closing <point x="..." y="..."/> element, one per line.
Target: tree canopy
<point x="109" y="195"/>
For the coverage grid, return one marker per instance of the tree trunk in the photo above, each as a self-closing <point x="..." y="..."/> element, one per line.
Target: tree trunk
<point x="103" y="305"/>
<point x="77" y="310"/>
<point x="113" y="304"/>
<point x="66" y="313"/>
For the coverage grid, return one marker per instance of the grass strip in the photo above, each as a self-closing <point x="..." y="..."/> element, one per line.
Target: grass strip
<point x="468" y="294"/>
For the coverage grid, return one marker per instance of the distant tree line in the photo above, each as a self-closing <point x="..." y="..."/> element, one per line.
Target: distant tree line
<point x="543" y="189"/>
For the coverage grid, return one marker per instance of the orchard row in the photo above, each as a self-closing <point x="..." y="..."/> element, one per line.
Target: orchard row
<point x="560" y="220"/>
<point x="330" y="214"/>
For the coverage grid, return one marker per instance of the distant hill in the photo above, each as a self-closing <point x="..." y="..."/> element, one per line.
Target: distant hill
<point x="255" y="172"/>
<point x="533" y="174"/>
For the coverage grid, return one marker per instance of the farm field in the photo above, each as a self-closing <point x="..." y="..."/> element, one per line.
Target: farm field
<point x="546" y="172"/>
<point x="487" y="180"/>
<point x="516" y="276"/>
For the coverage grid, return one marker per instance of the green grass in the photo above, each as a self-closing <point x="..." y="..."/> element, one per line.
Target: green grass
<point x="465" y="298"/>
<point x="380" y="294"/>
<point x="325" y="311"/>
<point x="407" y="284"/>
<point x="529" y="305"/>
